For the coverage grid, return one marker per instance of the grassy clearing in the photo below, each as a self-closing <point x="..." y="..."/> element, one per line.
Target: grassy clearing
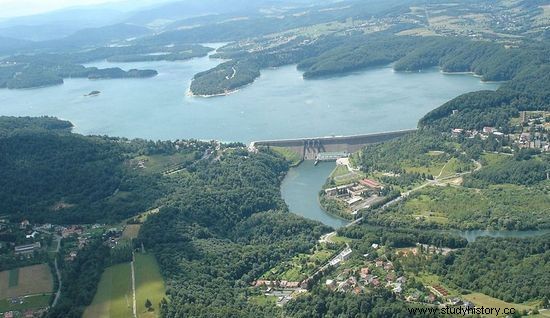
<point x="161" y="163"/>
<point x="434" y="280"/>
<point x="113" y="298"/>
<point x="496" y="207"/>
<point x="263" y="300"/>
<point x="480" y="299"/>
<point x="131" y="231"/>
<point x="299" y="267"/>
<point x="149" y="285"/>
<point x="30" y="280"/>
<point x="289" y="155"/>
<point x="31" y="302"/>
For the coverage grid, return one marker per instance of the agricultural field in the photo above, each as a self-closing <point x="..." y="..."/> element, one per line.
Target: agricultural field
<point x="114" y="297"/>
<point x="24" y="281"/>
<point x="149" y="285"/>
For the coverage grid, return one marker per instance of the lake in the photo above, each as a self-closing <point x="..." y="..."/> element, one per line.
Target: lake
<point x="280" y="104"/>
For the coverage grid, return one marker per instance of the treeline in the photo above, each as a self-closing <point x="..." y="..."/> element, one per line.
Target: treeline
<point x="514" y="270"/>
<point x="38" y="74"/>
<point x="324" y="303"/>
<point x="412" y="150"/>
<point x="511" y="170"/>
<point x="526" y="91"/>
<point x="401" y="237"/>
<point x="80" y="279"/>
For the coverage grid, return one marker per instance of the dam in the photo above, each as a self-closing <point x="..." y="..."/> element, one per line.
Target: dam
<point x="310" y="148"/>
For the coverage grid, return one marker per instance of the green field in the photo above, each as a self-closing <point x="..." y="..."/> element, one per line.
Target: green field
<point x="503" y="206"/>
<point x="300" y="267"/>
<point x="480" y="299"/>
<point x="289" y="155"/>
<point x="113" y="298"/>
<point x="149" y="284"/>
<point x="31" y="302"/>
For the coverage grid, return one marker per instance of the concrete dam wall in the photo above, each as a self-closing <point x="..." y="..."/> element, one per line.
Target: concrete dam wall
<point x="308" y="148"/>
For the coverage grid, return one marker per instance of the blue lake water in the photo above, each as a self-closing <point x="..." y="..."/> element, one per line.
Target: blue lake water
<point x="280" y="104"/>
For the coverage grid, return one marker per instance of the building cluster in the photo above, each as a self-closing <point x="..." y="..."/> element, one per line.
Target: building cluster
<point x="534" y="134"/>
<point x="374" y="274"/>
<point x="29" y="313"/>
<point x="357" y="195"/>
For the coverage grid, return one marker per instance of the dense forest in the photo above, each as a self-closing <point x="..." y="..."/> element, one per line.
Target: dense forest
<point x="52" y="175"/>
<point x="514" y="270"/>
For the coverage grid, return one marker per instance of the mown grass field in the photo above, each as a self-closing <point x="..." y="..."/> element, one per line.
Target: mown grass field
<point x="289" y="155"/>
<point x="113" y="298"/>
<point x="30" y="280"/>
<point x="480" y="299"/>
<point x="149" y="285"/>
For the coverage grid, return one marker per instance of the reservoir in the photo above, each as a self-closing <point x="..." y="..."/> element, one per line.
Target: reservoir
<point x="280" y="104"/>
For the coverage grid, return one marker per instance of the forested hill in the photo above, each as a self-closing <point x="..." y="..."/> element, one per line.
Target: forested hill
<point x="52" y="175"/>
<point x="528" y="91"/>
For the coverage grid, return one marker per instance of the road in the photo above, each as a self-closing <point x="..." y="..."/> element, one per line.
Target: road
<point x="436" y="181"/>
<point x="58" y="273"/>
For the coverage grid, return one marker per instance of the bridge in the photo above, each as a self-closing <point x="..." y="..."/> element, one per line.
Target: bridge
<point x="309" y="148"/>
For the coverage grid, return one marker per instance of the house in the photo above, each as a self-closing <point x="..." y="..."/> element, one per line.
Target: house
<point x="375" y="246"/>
<point x="9" y="314"/>
<point x="401" y="280"/>
<point x="24" y="224"/>
<point x="457" y="132"/>
<point x="330" y="283"/>
<point x="489" y="130"/>
<point x="379" y="263"/>
<point x="364" y="272"/>
<point x="397" y="288"/>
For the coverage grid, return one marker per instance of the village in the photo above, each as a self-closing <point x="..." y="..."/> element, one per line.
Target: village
<point x="352" y="272"/>
<point x="31" y="251"/>
<point x="530" y="131"/>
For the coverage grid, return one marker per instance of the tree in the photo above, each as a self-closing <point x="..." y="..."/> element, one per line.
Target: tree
<point x="148" y="305"/>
